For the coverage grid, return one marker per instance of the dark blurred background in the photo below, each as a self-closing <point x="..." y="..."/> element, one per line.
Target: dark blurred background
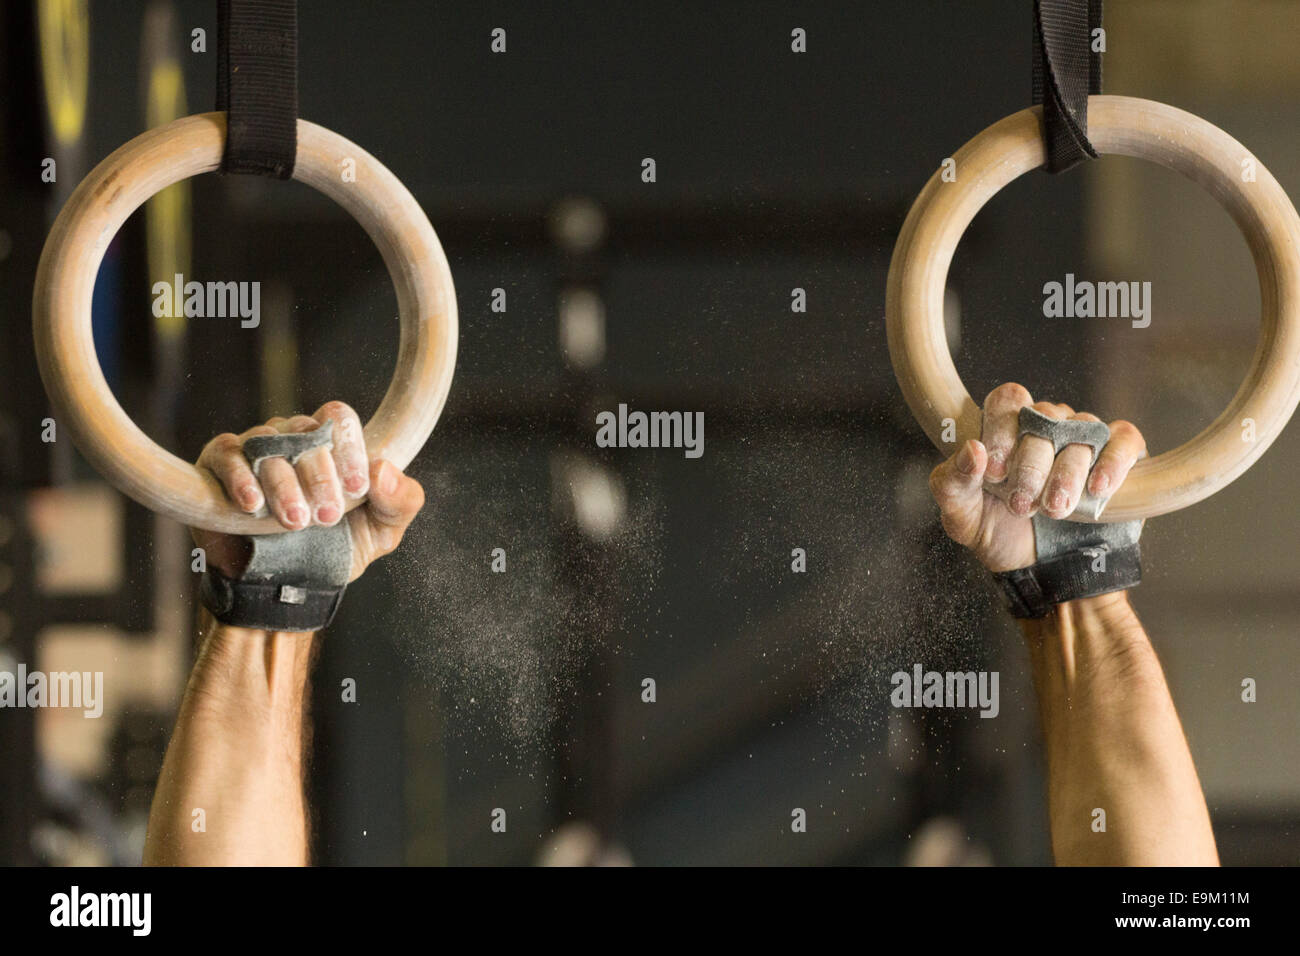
<point x="776" y="171"/>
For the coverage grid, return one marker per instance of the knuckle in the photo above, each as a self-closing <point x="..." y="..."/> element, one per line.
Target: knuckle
<point x="336" y="410"/>
<point x="1009" y="393"/>
<point x="1126" y="430"/>
<point x="1074" y="460"/>
<point x="322" y="487"/>
<point x="226" y="443"/>
<point x="280" y="483"/>
<point x="1034" y="450"/>
<point x="942" y="482"/>
<point x="1068" y="480"/>
<point x="999" y="451"/>
<point x="1030" y="475"/>
<point x="1105" y="466"/>
<point x="350" y="436"/>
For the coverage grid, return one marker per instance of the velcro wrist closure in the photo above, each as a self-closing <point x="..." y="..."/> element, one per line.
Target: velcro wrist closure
<point x="269" y="605"/>
<point x="1032" y="592"/>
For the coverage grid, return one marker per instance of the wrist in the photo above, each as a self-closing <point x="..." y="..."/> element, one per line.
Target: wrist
<point x="263" y="671"/>
<point x="1110" y="612"/>
<point x="235" y="640"/>
<point x="1097" y="636"/>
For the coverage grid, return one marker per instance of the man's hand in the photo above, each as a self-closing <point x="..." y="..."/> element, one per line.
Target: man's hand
<point x="314" y="490"/>
<point x="1000" y="534"/>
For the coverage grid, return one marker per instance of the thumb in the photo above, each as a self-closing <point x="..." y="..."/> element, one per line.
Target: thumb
<point x="378" y="526"/>
<point x="958" y="489"/>
<point x="395" y="498"/>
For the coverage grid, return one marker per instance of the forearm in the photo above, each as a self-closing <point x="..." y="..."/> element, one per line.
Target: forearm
<point x="1114" y="742"/>
<point x="231" y="787"/>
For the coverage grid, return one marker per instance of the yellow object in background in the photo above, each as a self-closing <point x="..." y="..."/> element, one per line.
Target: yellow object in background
<point x="64" y="28"/>
<point x="167" y="214"/>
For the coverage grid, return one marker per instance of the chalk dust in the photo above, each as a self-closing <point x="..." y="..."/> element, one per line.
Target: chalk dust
<point x="884" y="589"/>
<point x="503" y="652"/>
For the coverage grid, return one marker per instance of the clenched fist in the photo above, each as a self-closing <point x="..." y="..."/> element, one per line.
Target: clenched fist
<point x="314" y="490"/>
<point x="1001" y="534"/>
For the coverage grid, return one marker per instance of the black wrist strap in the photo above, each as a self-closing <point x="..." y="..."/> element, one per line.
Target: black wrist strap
<point x="1032" y="592"/>
<point x="269" y="605"/>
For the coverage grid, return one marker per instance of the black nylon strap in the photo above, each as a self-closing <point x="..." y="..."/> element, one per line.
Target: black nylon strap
<point x="269" y="605"/>
<point x="257" y="85"/>
<point x="1032" y="592"/>
<point x="1065" y="72"/>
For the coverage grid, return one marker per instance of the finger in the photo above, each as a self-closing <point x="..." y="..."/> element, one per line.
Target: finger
<point x="224" y="458"/>
<point x="349" y="447"/>
<point x="1069" y="472"/>
<point x="321" y="486"/>
<point x="317" y="478"/>
<point x="1001" y="426"/>
<point x="1117" y="459"/>
<point x="958" y="489"/>
<point x="284" y="496"/>
<point x="1030" y="464"/>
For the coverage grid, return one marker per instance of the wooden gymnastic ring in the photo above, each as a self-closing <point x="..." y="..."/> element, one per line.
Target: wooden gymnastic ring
<point x="65" y="281"/>
<point x="1131" y="127"/>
